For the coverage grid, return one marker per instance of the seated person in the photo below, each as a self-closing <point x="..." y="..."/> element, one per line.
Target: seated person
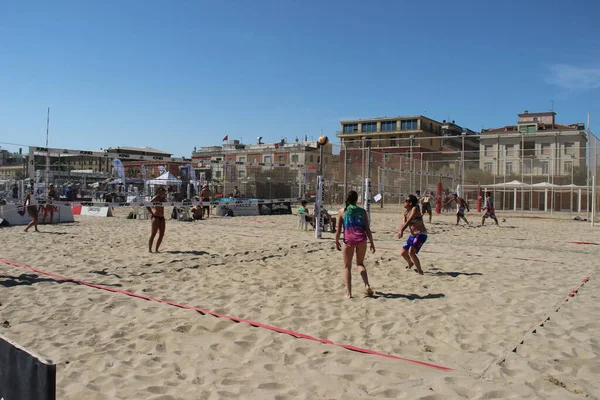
<point x="328" y="219"/>
<point x="304" y="210"/>
<point x="197" y="212"/>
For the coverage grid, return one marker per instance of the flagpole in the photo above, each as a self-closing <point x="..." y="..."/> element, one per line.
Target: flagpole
<point x="47" y="172"/>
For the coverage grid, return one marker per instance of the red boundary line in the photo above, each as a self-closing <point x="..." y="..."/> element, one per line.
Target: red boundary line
<point x="572" y="293"/>
<point x="234" y="319"/>
<point x="596" y="244"/>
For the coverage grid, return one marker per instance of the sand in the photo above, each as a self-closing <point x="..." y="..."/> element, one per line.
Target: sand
<point x="483" y="293"/>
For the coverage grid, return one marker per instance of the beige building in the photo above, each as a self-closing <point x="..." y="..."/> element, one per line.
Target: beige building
<point x="535" y="146"/>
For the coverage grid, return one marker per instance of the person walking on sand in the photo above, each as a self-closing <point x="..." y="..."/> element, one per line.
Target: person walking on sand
<point x="49" y="208"/>
<point x="31" y="206"/>
<point x="490" y="211"/>
<point x="412" y="219"/>
<point x="355" y="223"/>
<point x="426" y="204"/>
<point x="205" y="197"/>
<point x="461" y="204"/>
<point x="157" y="216"/>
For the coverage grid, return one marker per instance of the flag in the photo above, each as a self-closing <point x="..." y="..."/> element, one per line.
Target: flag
<point x="119" y="169"/>
<point x="226" y="138"/>
<point x="191" y="173"/>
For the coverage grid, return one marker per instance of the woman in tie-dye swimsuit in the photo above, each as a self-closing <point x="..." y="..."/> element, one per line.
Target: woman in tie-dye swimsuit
<point x="355" y="223"/>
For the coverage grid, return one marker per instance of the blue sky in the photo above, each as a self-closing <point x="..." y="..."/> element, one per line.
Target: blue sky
<point x="179" y="74"/>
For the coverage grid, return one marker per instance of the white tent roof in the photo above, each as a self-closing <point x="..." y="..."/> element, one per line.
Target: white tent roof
<point x="544" y="184"/>
<point x="165" y="179"/>
<point x="511" y="184"/>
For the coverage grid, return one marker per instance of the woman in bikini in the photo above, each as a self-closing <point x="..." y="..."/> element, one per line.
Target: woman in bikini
<point x="31" y="205"/>
<point x="157" y="216"/>
<point x="412" y="219"/>
<point x="356" y="232"/>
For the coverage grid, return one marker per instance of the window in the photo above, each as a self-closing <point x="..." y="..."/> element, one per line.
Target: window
<point x="350" y="128"/>
<point x="241" y="174"/>
<point x="242" y="159"/>
<point x="545" y="149"/>
<point x="568" y="167"/>
<point x="280" y="159"/>
<point x="387" y="126"/>
<point x="386" y="157"/>
<point x="510" y="149"/>
<point x="408" y="125"/>
<point x="570" y="148"/>
<point x="393" y="141"/>
<point x="488" y="150"/>
<point x="369" y="127"/>
<point x="509" y="168"/>
<point x="311" y="158"/>
<point x="348" y="158"/>
<point x="218" y="174"/>
<point x="268" y="159"/>
<point x="488" y="167"/>
<point x="254" y="160"/>
<point x="294" y="158"/>
<point x="545" y="170"/>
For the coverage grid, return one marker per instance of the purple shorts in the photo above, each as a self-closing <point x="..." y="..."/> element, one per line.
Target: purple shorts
<point x="415" y="241"/>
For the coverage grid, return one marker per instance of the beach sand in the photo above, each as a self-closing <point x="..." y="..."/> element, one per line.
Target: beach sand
<point x="483" y="293"/>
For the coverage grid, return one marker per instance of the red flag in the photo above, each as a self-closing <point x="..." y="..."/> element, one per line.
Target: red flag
<point x="226" y="138"/>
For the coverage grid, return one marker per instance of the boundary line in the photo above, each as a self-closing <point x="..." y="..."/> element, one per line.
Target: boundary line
<point x="234" y="319"/>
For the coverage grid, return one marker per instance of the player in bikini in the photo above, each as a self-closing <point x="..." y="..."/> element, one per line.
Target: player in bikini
<point x="157" y="216"/>
<point x="355" y="223"/>
<point x="412" y="219"/>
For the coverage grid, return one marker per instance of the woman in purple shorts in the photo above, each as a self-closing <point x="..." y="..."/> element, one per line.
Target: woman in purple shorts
<point x="412" y="219"/>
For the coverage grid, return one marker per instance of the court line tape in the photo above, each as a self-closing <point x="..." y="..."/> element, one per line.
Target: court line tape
<point x="234" y="319"/>
<point x="595" y="244"/>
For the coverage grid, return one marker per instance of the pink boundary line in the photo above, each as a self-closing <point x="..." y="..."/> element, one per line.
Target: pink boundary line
<point x="234" y="319"/>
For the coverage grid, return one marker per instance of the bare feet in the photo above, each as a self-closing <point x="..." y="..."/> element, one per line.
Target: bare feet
<point x="410" y="265"/>
<point x="419" y="271"/>
<point x="348" y="296"/>
<point x="368" y="292"/>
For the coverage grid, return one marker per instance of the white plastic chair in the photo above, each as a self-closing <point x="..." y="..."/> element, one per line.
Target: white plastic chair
<point x="302" y="222"/>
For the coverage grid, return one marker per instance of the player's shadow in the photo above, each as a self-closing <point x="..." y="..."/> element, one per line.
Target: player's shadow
<point x="192" y="252"/>
<point x="25" y="280"/>
<point x="453" y="274"/>
<point x="30" y="279"/>
<point x="54" y="233"/>
<point x="408" y="296"/>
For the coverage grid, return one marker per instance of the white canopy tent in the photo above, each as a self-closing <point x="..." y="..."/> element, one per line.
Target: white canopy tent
<point x="165" y="179"/>
<point x="548" y="196"/>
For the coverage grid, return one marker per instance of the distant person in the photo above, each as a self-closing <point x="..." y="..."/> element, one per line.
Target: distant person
<point x="355" y="223"/>
<point x="69" y="193"/>
<point x="490" y="211"/>
<point x="205" y="197"/>
<point x="236" y="193"/>
<point x="15" y="191"/>
<point x="157" y="216"/>
<point x="426" y="204"/>
<point x="31" y="206"/>
<point x="49" y="208"/>
<point x="412" y="219"/>
<point x="303" y="210"/>
<point x="461" y="205"/>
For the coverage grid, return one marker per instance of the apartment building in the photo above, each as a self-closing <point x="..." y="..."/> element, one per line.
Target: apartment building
<point x="535" y="146"/>
<point x="282" y="180"/>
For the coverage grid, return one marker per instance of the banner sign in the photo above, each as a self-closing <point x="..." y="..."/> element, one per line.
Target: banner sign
<point x="24" y="375"/>
<point x="164" y="203"/>
<point x="410" y="171"/>
<point x="97" y="211"/>
<point x="16" y="215"/>
<point x="277" y="208"/>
